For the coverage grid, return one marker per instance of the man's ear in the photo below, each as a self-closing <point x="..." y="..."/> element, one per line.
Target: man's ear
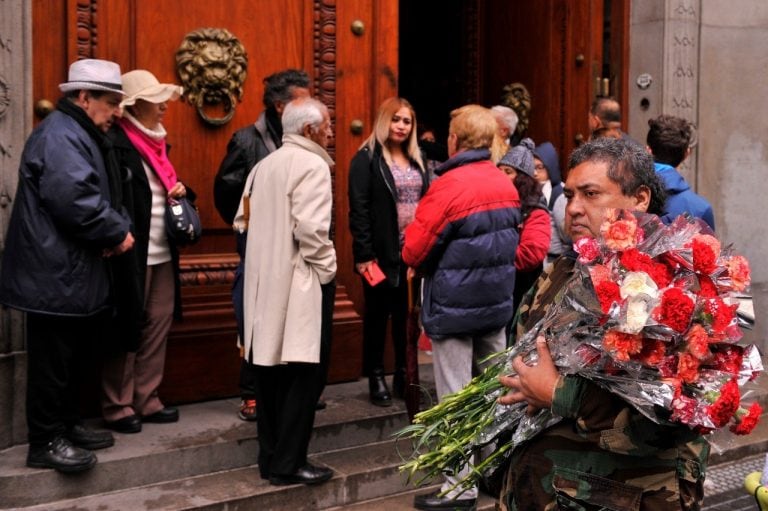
<point x="643" y="198"/>
<point x="307" y="131"/>
<point x="83" y="96"/>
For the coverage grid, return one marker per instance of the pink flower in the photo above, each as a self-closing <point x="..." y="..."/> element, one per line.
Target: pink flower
<point x="698" y="342"/>
<point x="588" y="249"/>
<point x="620" y="234"/>
<point x="738" y="270"/>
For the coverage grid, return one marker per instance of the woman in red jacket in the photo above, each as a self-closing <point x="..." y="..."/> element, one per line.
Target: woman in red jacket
<point x="535" y="228"/>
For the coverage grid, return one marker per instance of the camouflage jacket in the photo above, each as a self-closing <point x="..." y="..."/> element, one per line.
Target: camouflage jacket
<point x="604" y="454"/>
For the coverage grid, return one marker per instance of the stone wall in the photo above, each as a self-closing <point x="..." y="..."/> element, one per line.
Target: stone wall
<point x="15" y="124"/>
<point x="708" y="63"/>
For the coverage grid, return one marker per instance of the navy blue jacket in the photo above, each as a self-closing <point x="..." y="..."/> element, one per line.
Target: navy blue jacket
<point x="680" y="198"/>
<point x="60" y="224"/>
<point x="464" y="238"/>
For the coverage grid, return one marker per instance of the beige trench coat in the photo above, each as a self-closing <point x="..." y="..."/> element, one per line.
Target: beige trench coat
<point x="288" y="253"/>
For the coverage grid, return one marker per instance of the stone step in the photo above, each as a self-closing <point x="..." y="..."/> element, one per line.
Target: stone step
<point x="404" y="501"/>
<point x="209" y="438"/>
<point x="361" y="473"/>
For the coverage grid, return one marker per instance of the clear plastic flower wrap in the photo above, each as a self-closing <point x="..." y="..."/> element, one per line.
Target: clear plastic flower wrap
<point x="649" y="315"/>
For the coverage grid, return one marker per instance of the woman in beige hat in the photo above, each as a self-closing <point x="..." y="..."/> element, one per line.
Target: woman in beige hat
<point x="147" y="281"/>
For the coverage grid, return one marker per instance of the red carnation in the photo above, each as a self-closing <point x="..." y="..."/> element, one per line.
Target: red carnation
<point x="706" y="250"/>
<point x="687" y="368"/>
<point x="708" y="288"/>
<point x="634" y="260"/>
<point x="675" y="309"/>
<point x="607" y="292"/>
<point x="721" y="314"/>
<point x="652" y="353"/>
<point x="748" y="422"/>
<point x="726" y="405"/>
<point x="622" y="345"/>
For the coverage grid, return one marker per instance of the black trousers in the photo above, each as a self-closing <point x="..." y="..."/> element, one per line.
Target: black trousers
<point x="55" y="347"/>
<point x="286" y="396"/>
<point x="381" y="302"/>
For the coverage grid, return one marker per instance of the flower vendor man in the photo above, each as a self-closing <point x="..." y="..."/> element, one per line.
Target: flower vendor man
<point x="604" y="454"/>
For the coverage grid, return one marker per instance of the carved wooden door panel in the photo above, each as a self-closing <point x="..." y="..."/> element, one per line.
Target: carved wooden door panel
<point x="351" y="73"/>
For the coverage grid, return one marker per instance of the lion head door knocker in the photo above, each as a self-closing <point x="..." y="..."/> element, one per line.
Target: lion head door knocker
<point x="212" y="65"/>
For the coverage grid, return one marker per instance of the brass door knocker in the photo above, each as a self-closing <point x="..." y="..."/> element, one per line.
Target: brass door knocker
<point x="212" y="65"/>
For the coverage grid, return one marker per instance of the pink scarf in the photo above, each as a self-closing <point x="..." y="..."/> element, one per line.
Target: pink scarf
<point x="152" y="151"/>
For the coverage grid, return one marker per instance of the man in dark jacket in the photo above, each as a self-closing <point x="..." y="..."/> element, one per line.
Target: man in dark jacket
<point x="65" y="222"/>
<point x="669" y="140"/>
<point x="463" y="239"/>
<point x="248" y="147"/>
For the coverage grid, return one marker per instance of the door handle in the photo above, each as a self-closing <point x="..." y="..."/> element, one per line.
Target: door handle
<point x="43" y="107"/>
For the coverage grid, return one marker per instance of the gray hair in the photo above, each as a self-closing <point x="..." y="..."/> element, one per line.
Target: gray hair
<point x="629" y="165"/>
<point x="302" y="112"/>
<point x="507" y="116"/>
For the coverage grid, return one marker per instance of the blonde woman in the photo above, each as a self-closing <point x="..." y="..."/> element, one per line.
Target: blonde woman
<point x="386" y="180"/>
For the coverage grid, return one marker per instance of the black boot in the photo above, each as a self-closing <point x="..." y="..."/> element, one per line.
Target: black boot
<point x="398" y="383"/>
<point x="377" y="386"/>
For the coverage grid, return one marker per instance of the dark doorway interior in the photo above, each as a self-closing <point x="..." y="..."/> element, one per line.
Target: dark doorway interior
<point x="431" y="67"/>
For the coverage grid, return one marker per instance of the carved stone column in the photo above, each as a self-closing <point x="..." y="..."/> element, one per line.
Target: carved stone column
<point x="664" y="66"/>
<point x="15" y="124"/>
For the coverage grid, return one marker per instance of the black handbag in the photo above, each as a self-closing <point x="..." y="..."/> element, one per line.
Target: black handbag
<point x="182" y="223"/>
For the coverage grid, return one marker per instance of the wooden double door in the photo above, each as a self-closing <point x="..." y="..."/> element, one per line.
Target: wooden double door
<point x="353" y="51"/>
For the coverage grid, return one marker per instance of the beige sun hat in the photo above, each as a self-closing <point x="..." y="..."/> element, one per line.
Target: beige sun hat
<point x="141" y="84"/>
<point x="93" y="74"/>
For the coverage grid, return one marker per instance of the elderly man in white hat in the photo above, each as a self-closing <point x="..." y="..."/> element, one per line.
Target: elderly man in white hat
<point x="147" y="282"/>
<point x="65" y="226"/>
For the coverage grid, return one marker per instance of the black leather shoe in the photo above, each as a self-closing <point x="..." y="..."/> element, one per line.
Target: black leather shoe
<point x="129" y="424"/>
<point x="377" y="387"/>
<point x="61" y="455"/>
<point x="398" y="383"/>
<point x="308" y="474"/>
<point x="321" y="405"/>
<point x="432" y="501"/>
<point x="90" y="439"/>
<point x="164" y="416"/>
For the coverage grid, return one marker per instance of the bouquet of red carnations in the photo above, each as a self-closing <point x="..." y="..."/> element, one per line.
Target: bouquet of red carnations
<point x="649" y="314"/>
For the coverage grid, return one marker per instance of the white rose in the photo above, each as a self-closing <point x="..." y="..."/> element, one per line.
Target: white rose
<point x="637" y="315"/>
<point x="637" y="283"/>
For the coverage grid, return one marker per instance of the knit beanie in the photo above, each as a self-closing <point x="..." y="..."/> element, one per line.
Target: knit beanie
<point x="520" y="157"/>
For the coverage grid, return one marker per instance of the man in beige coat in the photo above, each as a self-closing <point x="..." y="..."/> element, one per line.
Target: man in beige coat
<point x="290" y="266"/>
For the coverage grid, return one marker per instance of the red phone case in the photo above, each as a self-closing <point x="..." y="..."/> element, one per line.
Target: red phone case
<point x="374" y="275"/>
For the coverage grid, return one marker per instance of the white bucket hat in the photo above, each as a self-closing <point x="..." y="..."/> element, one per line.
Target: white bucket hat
<point x="141" y="84"/>
<point x="93" y="74"/>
